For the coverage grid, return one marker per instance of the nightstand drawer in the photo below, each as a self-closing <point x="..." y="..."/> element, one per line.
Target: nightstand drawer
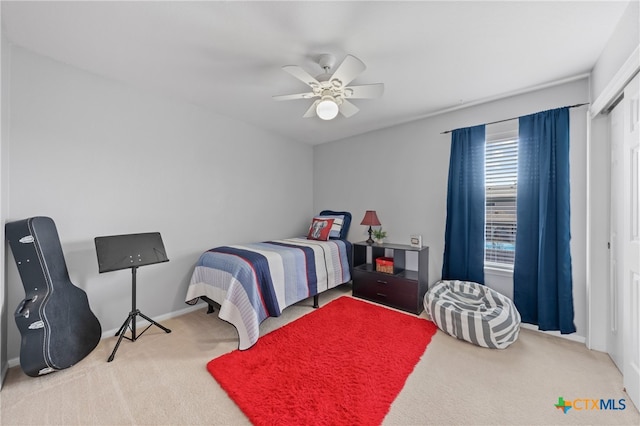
<point x="387" y="289"/>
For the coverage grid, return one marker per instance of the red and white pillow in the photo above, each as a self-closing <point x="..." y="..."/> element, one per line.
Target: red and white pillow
<point x="320" y="228"/>
<point x="336" y="228"/>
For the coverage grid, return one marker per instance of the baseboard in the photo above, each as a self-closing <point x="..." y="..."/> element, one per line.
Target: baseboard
<point x="3" y="374"/>
<point x="572" y="337"/>
<point x="110" y="333"/>
<point x="143" y="323"/>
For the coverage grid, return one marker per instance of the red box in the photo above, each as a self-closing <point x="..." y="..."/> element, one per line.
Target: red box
<point x="384" y="264"/>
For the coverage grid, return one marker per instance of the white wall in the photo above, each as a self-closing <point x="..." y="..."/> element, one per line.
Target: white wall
<point x="4" y="132"/>
<point x="624" y="40"/>
<point x="401" y="172"/>
<point x="101" y="158"/>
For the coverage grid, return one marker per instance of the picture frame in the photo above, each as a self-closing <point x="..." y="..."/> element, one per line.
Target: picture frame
<point x="416" y="241"/>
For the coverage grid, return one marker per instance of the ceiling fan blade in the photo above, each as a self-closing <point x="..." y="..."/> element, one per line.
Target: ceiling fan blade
<point x="349" y="69"/>
<point x="311" y="112"/>
<point x="347" y="109"/>
<point x="366" y="91"/>
<point x="308" y="95"/>
<point x="301" y="75"/>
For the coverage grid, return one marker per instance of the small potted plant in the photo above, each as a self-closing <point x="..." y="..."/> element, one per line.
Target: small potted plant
<point x="379" y="235"/>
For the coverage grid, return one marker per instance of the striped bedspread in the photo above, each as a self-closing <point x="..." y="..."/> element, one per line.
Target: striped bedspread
<point x="252" y="282"/>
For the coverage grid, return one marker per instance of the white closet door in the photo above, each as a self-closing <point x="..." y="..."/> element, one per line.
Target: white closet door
<point x="615" y="342"/>
<point x="631" y="240"/>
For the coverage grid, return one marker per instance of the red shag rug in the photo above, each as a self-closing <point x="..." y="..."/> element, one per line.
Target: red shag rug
<point x="342" y="364"/>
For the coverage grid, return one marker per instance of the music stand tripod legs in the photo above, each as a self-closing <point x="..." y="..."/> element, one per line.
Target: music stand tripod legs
<point x="130" y="322"/>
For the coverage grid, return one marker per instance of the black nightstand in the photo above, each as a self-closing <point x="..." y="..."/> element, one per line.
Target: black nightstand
<point x="404" y="289"/>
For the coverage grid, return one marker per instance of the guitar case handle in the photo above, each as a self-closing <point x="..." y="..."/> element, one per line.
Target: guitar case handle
<point x="23" y="307"/>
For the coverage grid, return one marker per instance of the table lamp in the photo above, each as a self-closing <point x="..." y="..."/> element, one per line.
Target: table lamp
<point x="370" y="219"/>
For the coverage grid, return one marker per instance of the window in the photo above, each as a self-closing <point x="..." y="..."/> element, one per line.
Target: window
<point x="501" y="172"/>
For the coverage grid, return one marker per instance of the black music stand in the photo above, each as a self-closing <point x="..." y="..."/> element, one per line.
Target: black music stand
<point x="130" y="251"/>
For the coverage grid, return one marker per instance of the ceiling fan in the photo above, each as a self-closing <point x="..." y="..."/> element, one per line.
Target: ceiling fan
<point x="332" y="90"/>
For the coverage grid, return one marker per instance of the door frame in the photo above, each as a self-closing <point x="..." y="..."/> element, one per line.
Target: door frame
<point x="597" y="110"/>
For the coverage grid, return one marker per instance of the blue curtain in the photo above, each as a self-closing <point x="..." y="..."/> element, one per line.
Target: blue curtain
<point x="464" y="233"/>
<point x="542" y="267"/>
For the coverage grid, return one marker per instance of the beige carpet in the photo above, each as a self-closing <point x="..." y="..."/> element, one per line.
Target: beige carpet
<point x="161" y="379"/>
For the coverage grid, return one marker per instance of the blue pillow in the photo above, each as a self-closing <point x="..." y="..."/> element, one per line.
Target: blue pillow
<point x="345" y="224"/>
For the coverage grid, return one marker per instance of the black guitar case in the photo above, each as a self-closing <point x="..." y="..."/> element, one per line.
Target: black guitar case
<point x="56" y="323"/>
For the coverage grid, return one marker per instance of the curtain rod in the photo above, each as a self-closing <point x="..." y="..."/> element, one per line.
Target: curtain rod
<point x="514" y="118"/>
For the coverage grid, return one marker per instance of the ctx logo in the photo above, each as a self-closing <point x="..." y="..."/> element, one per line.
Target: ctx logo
<point x="590" y="404"/>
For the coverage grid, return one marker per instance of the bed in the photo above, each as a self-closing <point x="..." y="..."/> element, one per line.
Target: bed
<point x="252" y="282"/>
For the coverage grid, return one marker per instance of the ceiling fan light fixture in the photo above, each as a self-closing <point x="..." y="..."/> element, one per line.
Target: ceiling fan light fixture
<point x="327" y="108"/>
<point x="331" y="89"/>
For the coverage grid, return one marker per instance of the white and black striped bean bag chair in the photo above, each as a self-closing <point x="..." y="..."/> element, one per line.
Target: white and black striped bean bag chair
<point x="473" y="312"/>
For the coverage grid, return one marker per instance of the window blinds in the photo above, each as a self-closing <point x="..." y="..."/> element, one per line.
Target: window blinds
<point x="501" y="171"/>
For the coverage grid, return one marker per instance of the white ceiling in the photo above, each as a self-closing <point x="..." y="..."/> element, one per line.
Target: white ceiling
<point x="227" y="56"/>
